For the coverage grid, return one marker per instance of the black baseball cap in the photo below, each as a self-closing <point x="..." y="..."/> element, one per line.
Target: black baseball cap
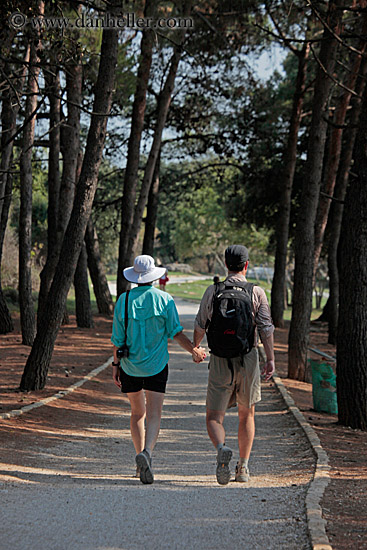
<point x="236" y="256"/>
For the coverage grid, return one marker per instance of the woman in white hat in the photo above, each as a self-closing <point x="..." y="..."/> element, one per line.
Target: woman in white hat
<point x="140" y="368"/>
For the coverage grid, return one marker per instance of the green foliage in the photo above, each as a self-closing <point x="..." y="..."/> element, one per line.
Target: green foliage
<point x="195" y="218"/>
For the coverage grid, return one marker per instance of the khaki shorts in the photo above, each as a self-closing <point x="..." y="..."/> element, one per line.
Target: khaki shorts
<point x="245" y="388"/>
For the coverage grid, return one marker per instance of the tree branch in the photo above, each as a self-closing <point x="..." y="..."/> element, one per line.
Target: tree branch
<point x="334" y="34"/>
<point x="340" y="84"/>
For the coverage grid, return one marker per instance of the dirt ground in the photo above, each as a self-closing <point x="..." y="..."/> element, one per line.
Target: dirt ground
<point x="78" y="351"/>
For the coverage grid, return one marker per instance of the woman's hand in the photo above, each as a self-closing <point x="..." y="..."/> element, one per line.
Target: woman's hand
<point x="116" y="376"/>
<point x="198" y="355"/>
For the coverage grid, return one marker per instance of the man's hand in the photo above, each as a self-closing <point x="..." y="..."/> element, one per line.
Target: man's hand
<point x="115" y="376"/>
<point x="198" y="355"/>
<point x="268" y="370"/>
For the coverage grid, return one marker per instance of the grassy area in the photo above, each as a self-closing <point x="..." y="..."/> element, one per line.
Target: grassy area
<point x="191" y="291"/>
<point x="194" y="292"/>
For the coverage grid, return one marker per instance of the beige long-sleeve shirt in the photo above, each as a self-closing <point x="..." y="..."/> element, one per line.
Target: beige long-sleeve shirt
<point x="260" y="309"/>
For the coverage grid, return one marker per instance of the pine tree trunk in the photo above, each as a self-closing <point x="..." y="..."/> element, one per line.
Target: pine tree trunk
<point x="334" y="151"/>
<point x="61" y="194"/>
<point x="8" y="119"/>
<point x="152" y="210"/>
<point x="36" y="369"/>
<point x="279" y="280"/>
<point x="337" y="206"/>
<point x="352" y="326"/>
<point x="27" y="313"/>
<point x="305" y="231"/>
<point x="133" y="155"/>
<point x="54" y="94"/>
<point x="97" y="272"/>
<point x="10" y="108"/>
<point x="6" y="323"/>
<point x="83" y="307"/>
<point x="164" y="101"/>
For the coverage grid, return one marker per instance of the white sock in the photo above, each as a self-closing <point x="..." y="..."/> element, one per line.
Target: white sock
<point x="244" y="462"/>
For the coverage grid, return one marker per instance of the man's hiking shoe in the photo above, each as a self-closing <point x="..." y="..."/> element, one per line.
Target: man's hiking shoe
<point x="223" y="472"/>
<point x="242" y="473"/>
<point x="144" y="462"/>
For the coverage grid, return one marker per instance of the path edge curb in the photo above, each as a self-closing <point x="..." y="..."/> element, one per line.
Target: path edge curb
<point x="58" y="395"/>
<point x="315" y="522"/>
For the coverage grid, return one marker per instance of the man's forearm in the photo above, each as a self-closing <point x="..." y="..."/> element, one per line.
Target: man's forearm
<point x="268" y="344"/>
<point x="198" y="335"/>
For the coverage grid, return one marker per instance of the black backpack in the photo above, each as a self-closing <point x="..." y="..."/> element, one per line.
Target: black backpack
<point x="231" y="331"/>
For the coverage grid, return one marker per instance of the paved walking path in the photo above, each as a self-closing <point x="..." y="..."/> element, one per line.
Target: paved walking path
<point x="68" y="483"/>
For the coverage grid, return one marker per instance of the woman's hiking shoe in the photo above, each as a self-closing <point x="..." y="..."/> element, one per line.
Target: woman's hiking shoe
<point x="242" y="473"/>
<point x="223" y="458"/>
<point x="144" y="462"/>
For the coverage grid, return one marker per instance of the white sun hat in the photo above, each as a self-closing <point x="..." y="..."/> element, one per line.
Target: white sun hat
<point x="143" y="270"/>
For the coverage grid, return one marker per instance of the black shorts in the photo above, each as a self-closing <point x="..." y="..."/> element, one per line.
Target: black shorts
<point x="131" y="384"/>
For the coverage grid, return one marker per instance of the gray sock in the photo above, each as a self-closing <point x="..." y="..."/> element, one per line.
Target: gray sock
<point x="243" y="462"/>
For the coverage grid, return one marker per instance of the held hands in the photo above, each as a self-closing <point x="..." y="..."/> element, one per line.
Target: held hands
<point x="198" y="354"/>
<point x="268" y="370"/>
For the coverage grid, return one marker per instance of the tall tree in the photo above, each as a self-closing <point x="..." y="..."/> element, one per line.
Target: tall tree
<point x="61" y="198"/>
<point x="36" y="369"/>
<point x="133" y="155"/>
<point x="278" y="288"/>
<point x="10" y="109"/>
<point x="163" y="104"/>
<point x="352" y="326"/>
<point x="335" y="145"/>
<point x="83" y="306"/>
<point x="152" y="209"/>
<point x="27" y="313"/>
<point x="305" y="232"/>
<point x="336" y="211"/>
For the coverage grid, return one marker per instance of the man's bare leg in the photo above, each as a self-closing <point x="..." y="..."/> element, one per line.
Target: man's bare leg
<point x="246" y="434"/>
<point x="214" y="423"/>
<point x="246" y="430"/>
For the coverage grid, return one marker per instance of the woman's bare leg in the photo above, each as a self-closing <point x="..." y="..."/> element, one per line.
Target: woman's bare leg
<point x="137" y="418"/>
<point x="154" y="404"/>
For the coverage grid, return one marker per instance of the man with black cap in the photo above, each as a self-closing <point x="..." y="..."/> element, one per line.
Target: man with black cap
<point x="234" y="376"/>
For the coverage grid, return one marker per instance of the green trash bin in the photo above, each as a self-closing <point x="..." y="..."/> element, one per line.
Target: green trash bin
<point x="323" y="387"/>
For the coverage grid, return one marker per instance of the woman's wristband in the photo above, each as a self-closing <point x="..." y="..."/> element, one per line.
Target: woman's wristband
<point x="115" y="364"/>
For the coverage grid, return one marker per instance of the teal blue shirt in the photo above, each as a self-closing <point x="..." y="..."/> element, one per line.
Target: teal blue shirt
<point x="152" y="319"/>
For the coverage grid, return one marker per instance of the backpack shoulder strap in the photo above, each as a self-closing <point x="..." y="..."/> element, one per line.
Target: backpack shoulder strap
<point x="218" y="287"/>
